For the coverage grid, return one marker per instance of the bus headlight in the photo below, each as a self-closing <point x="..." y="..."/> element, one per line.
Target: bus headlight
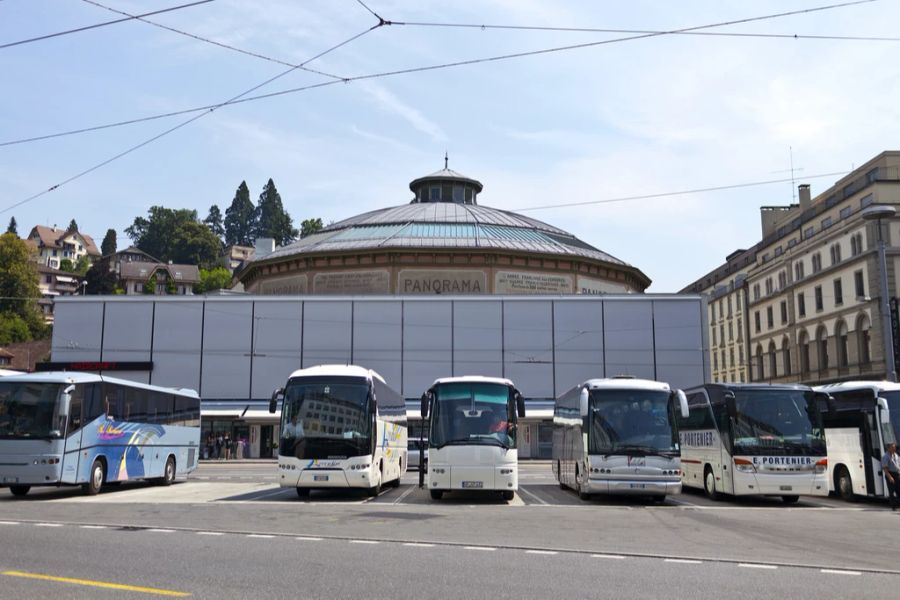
<point x="744" y="466"/>
<point x="822" y="465"/>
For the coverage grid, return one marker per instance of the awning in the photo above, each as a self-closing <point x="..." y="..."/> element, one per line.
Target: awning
<point x="220" y="413"/>
<point x="65" y="279"/>
<point x="261" y="416"/>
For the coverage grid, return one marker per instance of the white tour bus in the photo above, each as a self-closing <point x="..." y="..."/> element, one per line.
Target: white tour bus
<point x="754" y="439"/>
<point x="341" y="427"/>
<point x="472" y="424"/>
<point x="79" y="428"/>
<point x="618" y="436"/>
<point x="858" y="425"/>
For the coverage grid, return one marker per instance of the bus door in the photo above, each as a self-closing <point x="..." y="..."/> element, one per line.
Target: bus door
<point x="72" y="449"/>
<point x="724" y="456"/>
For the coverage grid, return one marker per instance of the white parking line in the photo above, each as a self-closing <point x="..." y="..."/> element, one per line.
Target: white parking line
<point x="684" y="561"/>
<point x="532" y="495"/>
<point x="411" y="489"/>
<point x="94" y="527"/>
<point x="613" y="556"/>
<point x="418" y="545"/>
<point x="161" y="530"/>
<point x="210" y="533"/>
<point x="839" y="572"/>
<point x="481" y="548"/>
<point x="540" y="552"/>
<point x="48" y="524"/>
<point x="364" y="542"/>
<point x="753" y="566"/>
<point x="260" y="536"/>
<point x="308" y="539"/>
<point x="9" y="523"/>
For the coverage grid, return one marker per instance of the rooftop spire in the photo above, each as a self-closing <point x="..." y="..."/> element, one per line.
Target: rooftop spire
<point x="445" y="159"/>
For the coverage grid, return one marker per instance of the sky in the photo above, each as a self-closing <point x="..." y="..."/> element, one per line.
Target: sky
<point x="660" y="114"/>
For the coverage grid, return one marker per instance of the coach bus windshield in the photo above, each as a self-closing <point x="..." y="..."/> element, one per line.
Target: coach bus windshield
<point x="466" y="413"/>
<point x="631" y="422"/>
<point x="783" y="422"/>
<point x="28" y="410"/>
<point x="324" y="418"/>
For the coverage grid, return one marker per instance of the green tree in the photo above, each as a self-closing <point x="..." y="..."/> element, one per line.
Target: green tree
<point x="214" y="221"/>
<point x="82" y="265"/>
<point x="218" y="278"/>
<point x="73" y="226"/>
<point x="66" y="265"/>
<point x="310" y="226"/>
<point x="19" y="291"/>
<point x="13" y="328"/>
<point x="240" y="219"/>
<point x="13" y="227"/>
<point x="109" y="243"/>
<point x="100" y="279"/>
<point x="150" y="285"/>
<point x="175" y="235"/>
<point x="273" y="221"/>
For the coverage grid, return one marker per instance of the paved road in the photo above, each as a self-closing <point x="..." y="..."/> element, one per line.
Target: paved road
<point x="231" y="531"/>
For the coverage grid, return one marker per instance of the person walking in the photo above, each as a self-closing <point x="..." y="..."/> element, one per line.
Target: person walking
<point x="890" y="464"/>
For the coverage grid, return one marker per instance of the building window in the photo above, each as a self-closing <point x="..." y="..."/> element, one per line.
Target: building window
<point x="845" y="212"/>
<point x="841" y="338"/>
<point x="712" y="308"/>
<point x="722" y="334"/>
<point x="801" y="305"/>
<point x="808" y="233"/>
<point x="822" y="343"/>
<point x="756" y="291"/>
<point x="729" y="307"/>
<point x="459" y="194"/>
<point x="782" y="280"/>
<point x="715" y="361"/>
<point x="818" y="293"/>
<point x="741" y="354"/>
<point x="757" y="321"/>
<point x="730" y="331"/>
<point x="714" y="336"/>
<point x="803" y="346"/>
<point x="779" y="251"/>
<point x="826" y="223"/>
<point x="770" y="320"/>
<point x="784" y="318"/>
<point x="786" y="350"/>
<point x="49" y="279"/>
<point x="838" y="292"/>
<point x="740" y="329"/>
<point x="856" y="246"/>
<point x="768" y="286"/>
<point x="434" y="193"/>
<point x="798" y="271"/>
<point x="835" y="254"/>
<point x="816" y="262"/>
<point x="760" y="367"/>
<point x="859" y="285"/>
<point x="866" y="201"/>
<point x="863" y="339"/>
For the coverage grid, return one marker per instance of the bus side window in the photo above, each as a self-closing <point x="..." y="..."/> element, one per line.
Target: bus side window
<point x="75" y="409"/>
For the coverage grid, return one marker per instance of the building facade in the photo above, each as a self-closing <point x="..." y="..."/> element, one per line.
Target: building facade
<point x="54" y="283"/>
<point x="53" y="245"/>
<point x="812" y="296"/>
<point x="442" y="242"/>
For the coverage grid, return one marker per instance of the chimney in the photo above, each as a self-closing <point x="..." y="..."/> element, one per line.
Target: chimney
<point x="264" y="247"/>
<point x="805" y="200"/>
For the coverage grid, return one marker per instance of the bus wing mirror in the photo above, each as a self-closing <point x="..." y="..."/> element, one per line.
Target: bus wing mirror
<point x="824" y="402"/>
<point x="682" y="404"/>
<point x="885" y="411"/>
<point x="65" y="402"/>
<point x="729" y="404"/>
<point x="585" y="395"/>
<point x="276" y="396"/>
<point x="424" y="407"/>
<point x="520" y="405"/>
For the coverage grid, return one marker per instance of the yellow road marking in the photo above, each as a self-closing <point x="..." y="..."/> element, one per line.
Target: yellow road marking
<point x="99" y="584"/>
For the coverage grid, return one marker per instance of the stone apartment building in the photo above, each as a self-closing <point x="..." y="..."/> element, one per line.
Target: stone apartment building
<point x="53" y="245"/>
<point x="811" y="297"/>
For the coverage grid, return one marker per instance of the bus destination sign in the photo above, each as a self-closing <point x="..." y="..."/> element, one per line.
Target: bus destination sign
<point x="95" y="365"/>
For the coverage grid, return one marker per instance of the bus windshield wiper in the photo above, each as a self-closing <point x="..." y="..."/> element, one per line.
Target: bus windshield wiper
<point x="637" y="448"/>
<point x="451" y="443"/>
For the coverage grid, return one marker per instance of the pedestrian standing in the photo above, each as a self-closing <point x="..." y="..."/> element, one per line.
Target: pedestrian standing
<point x="227" y="446"/>
<point x="219" y="445"/>
<point x="890" y="464"/>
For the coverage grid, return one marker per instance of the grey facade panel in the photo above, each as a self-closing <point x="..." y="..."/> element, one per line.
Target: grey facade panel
<point x="528" y="346"/>
<point x="277" y="338"/>
<point x="177" y="341"/>
<point x="77" y="336"/>
<point x="477" y="338"/>
<point x="128" y="336"/>
<point x="378" y="339"/>
<point x="327" y="332"/>
<point x="578" y="331"/>
<point x="628" y="335"/>
<point x="427" y="344"/>
<point x="227" y="332"/>
<point x="679" y="339"/>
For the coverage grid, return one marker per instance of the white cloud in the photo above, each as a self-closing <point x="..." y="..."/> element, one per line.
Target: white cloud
<point x="390" y="103"/>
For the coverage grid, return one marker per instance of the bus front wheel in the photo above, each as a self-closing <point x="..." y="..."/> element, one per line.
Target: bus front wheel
<point x="303" y="492"/>
<point x="508" y="495"/>
<point x="95" y="479"/>
<point x="168" y="477"/>
<point x="19" y="490"/>
<point x="437" y="494"/>
<point x="790" y="499"/>
<point x="844" y="485"/>
<point x="709" y="484"/>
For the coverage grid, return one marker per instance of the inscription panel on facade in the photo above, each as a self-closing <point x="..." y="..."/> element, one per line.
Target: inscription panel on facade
<point x="281" y="286"/>
<point x="514" y="282"/>
<point x="587" y="285"/>
<point x="438" y="281"/>
<point x="353" y="282"/>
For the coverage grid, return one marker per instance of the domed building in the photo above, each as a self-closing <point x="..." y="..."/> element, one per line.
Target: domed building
<point x="442" y="242"/>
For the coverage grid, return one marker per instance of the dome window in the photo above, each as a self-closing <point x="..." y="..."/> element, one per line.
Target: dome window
<point x="434" y="193"/>
<point x="458" y="194"/>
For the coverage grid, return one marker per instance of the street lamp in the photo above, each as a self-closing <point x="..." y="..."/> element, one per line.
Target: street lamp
<point x="877" y="213"/>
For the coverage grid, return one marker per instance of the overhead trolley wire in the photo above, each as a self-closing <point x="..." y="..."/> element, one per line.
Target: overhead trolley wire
<point x="411" y="70"/>
<point x="104" y="24"/>
<point x="210" y="41"/>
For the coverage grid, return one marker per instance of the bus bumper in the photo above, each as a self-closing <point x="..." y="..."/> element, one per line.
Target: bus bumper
<point x="21" y="470"/>
<point x="634" y="487"/>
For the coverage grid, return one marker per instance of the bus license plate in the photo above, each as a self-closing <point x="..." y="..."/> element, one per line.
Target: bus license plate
<point x="638" y="486"/>
<point x="786" y="488"/>
<point x="320" y="477"/>
<point x="473" y="484"/>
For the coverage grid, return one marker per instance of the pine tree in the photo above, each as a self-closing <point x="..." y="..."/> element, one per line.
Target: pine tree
<point x="109" y="243"/>
<point x="240" y="219"/>
<point x="214" y="221"/>
<point x="73" y="226"/>
<point x="310" y="226"/>
<point x="273" y="221"/>
<point x="13" y="227"/>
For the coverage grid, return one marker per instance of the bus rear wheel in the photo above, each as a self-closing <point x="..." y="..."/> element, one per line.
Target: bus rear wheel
<point x="303" y="492"/>
<point x="168" y="477"/>
<point x="19" y="490"/>
<point x="437" y="494"/>
<point x="508" y="495"/>
<point x="790" y="499"/>
<point x="95" y="479"/>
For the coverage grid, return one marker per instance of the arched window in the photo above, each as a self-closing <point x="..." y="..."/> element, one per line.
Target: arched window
<point x="864" y="339"/>
<point x="822" y="348"/>
<point x="803" y="348"/>
<point x="760" y="366"/>
<point x="786" y="354"/>
<point x="841" y="339"/>
<point x="773" y="361"/>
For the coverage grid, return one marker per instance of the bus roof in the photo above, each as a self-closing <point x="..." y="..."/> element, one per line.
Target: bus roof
<point x="878" y="386"/>
<point x="474" y="379"/>
<point x="625" y="383"/>
<point x="337" y="371"/>
<point x="751" y="386"/>
<point x="79" y="377"/>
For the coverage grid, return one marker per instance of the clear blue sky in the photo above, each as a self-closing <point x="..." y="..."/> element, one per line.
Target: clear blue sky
<point x="646" y="116"/>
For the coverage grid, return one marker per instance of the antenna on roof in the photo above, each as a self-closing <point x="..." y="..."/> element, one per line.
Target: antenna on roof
<point x="445" y="159"/>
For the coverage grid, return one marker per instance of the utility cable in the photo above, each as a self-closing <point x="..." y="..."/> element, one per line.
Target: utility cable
<point x="407" y="71"/>
<point x="104" y="24"/>
<point x="209" y="41"/>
